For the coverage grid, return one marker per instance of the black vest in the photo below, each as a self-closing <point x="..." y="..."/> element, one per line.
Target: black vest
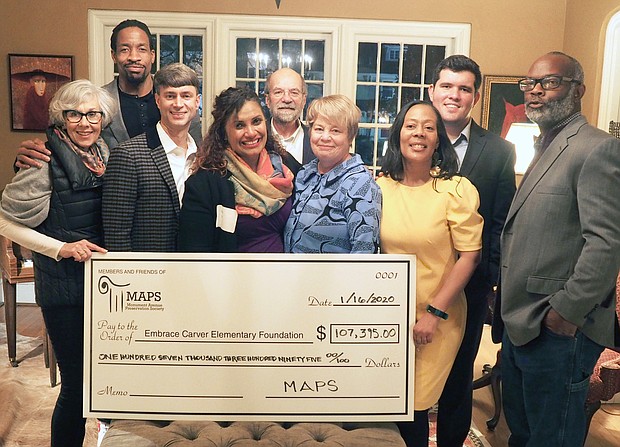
<point x="74" y="214"/>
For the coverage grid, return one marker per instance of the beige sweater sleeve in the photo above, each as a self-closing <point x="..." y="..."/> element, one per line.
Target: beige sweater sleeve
<point x="29" y="238"/>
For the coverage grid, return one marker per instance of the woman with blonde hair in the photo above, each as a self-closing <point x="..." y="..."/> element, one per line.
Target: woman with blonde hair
<point x="337" y="205"/>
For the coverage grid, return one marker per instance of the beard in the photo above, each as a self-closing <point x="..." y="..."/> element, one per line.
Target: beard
<point x="286" y="116"/>
<point x="136" y="78"/>
<point x="553" y="111"/>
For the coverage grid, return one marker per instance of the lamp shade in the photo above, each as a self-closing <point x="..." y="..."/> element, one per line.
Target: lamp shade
<point x="522" y="136"/>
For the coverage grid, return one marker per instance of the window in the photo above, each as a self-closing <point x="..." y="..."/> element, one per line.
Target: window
<point x="257" y="58"/>
<point x="380" y="64"/>
<point x="389" y="75"/>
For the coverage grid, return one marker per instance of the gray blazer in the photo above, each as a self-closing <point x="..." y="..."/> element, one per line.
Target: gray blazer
<point x="140" y="206"/>
<point x="561" y="241"/>
<point x="116" y="132"/>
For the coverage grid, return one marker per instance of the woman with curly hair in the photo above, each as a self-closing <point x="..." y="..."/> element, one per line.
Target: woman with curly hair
<point x="238" y="197"/>
<point x="430" y="211"/>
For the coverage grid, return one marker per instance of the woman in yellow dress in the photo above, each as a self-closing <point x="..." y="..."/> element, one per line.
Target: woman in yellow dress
<point x="431" y="212"/>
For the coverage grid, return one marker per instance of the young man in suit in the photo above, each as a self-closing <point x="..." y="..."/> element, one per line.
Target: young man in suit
<point x="487" y="160"/>
<point x="560" y="260"/>
<point x="285" y="96"/>
<point x="132" y="51"/>
<point x="145" y="177"/>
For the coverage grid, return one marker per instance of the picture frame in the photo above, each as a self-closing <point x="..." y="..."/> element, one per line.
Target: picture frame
<point x="33" y="81"/>
<point x="502" y="103"/>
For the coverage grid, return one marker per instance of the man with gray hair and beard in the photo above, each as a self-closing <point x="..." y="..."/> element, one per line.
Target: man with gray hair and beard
<point x="559" y="262"/>
<point x="285" y="95"/>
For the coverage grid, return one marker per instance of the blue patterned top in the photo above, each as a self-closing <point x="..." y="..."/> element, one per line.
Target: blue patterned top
<point x="335" y="212"/>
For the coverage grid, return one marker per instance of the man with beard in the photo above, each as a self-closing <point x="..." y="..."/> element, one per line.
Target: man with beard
<point x="559" y="261"/>
<point x="285" y="95"/>
<point x="132" y="52"/>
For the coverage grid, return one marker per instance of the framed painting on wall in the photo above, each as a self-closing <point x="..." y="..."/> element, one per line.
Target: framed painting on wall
<point x="502" y="103"/>
<point x="33" y="81"/>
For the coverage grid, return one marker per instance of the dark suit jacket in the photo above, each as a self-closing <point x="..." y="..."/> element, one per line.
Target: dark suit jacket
<point x="561" y="241"/>
<point x="308" y="155"/>
<point x="140" y="201"/>
<point x="116" y="132"/>
<point x="489" y="165"/>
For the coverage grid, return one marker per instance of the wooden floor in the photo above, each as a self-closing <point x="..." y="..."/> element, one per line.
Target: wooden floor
<point x="604" y="431"/>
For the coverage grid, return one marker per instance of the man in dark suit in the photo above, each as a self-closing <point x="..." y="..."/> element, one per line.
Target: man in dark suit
<point x="560" y="259"/>
<point x="145" y="177"/>
<point x="285" y="96"/>
<point x="487" y="161"/>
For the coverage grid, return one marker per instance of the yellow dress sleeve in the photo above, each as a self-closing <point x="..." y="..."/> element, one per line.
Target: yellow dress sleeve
<point x="464" y="221"/>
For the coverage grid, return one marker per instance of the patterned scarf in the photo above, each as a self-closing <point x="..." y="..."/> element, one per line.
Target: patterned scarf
<point x="93" y="158"/>
<point x="263" y="192"/>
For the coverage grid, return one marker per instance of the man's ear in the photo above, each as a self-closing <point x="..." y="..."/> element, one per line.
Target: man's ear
<point x="580" y="91"/>
<point x="431" y="90"/>
<point x="476" y="97"/>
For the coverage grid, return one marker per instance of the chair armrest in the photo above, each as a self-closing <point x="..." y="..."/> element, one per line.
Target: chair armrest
<point x="610" y="377"/>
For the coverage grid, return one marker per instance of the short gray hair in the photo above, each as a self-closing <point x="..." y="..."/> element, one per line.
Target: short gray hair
<point x="73" y="94"/>
<point x="575" y="67"/>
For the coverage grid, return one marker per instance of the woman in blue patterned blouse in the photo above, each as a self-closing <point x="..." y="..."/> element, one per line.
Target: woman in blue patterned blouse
<point x="337" y="204"/>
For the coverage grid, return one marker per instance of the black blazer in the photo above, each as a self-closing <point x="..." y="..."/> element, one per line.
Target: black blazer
<point x="489" y="165"/>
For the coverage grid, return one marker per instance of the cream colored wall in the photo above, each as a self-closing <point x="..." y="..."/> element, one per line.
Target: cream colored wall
<point x="584" y="38"/>
<point x="506" y="36"/>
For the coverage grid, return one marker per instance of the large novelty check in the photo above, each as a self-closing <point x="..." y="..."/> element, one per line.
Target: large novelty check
<point x="249" y="337"/>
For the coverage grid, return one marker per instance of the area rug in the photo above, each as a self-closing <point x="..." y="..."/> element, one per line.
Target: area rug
<point x="474" y="439"/>
<point x="26" y="397"/>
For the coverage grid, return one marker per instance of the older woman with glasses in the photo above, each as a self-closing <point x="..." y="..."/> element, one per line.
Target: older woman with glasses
<point x="56" y="212"/>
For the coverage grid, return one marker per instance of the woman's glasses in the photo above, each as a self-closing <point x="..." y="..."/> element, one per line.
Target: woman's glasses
<point x="75" y="116"/>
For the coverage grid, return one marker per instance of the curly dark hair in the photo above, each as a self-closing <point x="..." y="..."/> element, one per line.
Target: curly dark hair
<point x="210" y="154"/>
<point x="444" y="158"/>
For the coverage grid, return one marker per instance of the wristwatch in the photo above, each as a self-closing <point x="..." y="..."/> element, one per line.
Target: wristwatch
<point x="438" y="313"/>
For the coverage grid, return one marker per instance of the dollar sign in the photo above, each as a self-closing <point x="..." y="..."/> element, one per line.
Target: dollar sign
<point x="320" y="333"/>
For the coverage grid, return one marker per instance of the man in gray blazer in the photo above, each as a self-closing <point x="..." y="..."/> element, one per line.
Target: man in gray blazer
<point x="132" y="51"/>
<point x="145" y="176"/>
<point x="560" y="260"/>
<point x="487" y="160"/>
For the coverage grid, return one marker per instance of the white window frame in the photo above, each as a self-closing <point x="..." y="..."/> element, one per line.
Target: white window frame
<point x="221" y="30"/>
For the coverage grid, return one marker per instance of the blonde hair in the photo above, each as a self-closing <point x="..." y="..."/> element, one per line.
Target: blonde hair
<point x="337" y="109"/>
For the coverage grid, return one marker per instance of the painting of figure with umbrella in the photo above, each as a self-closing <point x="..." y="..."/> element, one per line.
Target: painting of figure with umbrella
<point x="34" y="80"/>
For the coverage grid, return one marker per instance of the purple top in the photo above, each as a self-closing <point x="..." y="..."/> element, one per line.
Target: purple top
<point x="265" y="234"/>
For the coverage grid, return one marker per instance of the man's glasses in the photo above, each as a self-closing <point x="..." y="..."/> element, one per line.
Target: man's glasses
<point x="547" y="83"/>
<point x="293" y="93"/>
<point x="75" y="116"/>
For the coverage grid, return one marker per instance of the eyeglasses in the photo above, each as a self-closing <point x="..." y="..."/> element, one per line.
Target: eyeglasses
<point x="75" y="116"/>
<point x="293" y="93"/>
<point x="547" y="83"/>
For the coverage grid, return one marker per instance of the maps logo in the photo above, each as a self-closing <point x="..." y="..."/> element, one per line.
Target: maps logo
<point x="122" y="298"/>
